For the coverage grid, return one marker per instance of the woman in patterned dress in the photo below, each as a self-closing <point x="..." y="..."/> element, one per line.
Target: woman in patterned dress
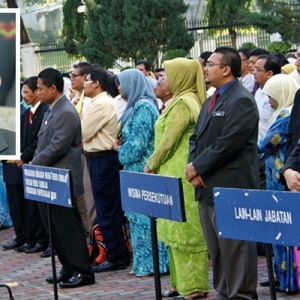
<point x="134" y="148"/>
<point x="281" y="90"/>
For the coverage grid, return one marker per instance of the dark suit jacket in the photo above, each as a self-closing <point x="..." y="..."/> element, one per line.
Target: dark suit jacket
<point x="223" y="148"/>
<point x="29" y="133"/>
<point x="292" y="162"/>
<point x="293" y="133"/>
<point x="7" y="142"/>
<point x="59" y="142"/>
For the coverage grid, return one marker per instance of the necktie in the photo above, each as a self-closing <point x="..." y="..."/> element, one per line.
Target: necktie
<point x="30" y="117"/>
<point x="213" y="101"/>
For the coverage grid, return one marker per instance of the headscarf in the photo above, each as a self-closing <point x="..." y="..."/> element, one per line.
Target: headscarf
<point x="288" y="68"/>
<point x="282" y="88"/>
<point x="135" y="87"/>
<point x="186" y="81"/>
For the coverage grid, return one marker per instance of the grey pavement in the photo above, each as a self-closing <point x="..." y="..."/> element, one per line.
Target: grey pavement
<point x="26" y="274"/>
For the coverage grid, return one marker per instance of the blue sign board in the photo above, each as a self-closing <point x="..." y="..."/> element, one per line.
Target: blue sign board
<point x="263" y="216"/>
<point x="46" y="184"/>
<point x="152" y="195"/>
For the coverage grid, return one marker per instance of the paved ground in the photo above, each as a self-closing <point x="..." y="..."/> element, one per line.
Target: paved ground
<point x="26" y="274"/>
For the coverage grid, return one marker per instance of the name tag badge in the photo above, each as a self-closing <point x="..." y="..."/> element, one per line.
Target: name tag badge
<point x="218" y="113"/>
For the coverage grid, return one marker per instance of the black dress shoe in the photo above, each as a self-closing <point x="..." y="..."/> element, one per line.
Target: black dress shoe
<point x="11" y="246"/>
<point x="77" y="281"/>
<point x="110" y="266"/>
<point x="267" y="283"/>
<point x="23" y="248"/>
<point x="37" y="248"/>
<point x="46" y="253"/>
<point x="59" y="278"/>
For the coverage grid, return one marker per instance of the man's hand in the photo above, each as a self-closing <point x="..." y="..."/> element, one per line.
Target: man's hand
<point x="292" y="179"/>
<point x="197" y="181"/>
<point x="19" y="163"/>
<point x="190" y="172"/>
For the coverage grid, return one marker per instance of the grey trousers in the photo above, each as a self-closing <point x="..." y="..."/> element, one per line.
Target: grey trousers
<point x="234" y="262"/>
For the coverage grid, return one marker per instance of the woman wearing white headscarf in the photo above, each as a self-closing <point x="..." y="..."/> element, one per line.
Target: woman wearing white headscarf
<point x="281" y="90"/>
<point x="134" y="148"/>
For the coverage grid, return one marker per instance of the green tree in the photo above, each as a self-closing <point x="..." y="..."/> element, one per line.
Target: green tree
<point x="73" y="26"/>
<point x="281" y="17"/>
<point x="227" y="12"/>
<point x="136" y="29"/>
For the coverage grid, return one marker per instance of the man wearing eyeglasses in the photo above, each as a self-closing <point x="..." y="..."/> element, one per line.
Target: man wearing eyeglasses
<point x="78" y="76"/>
<point x="265" y="67"/>
<point x="85" y="202"/>
<point x="223" y="153"/>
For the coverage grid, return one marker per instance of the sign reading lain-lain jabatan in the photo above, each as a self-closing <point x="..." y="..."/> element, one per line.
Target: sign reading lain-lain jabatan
<point x="261" y="216"/>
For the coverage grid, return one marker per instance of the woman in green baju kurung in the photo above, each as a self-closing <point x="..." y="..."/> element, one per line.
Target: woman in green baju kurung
<point x="187" y="247"/>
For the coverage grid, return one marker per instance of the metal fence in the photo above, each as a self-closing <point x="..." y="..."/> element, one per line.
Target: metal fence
<point x="206" y="36"/>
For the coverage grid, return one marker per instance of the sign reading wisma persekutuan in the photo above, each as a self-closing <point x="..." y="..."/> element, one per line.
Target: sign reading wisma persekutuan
<point x="152" y="195"/>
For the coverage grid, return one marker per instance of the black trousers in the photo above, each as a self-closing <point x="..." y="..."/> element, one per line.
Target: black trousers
<point x="69" y="240"/>
<point x="20" y="214"/>
<point x="105" y="181"/>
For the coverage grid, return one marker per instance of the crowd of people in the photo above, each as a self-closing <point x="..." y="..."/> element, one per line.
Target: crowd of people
<point x="227" y="119"/>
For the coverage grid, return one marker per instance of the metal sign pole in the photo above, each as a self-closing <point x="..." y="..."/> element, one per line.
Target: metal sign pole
<point x="52" y="252"/>
<point x="155" y="259"/>
<point x="268" y="250"/>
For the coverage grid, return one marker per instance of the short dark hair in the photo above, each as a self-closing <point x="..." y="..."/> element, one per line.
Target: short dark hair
<point x="230" y="58"/>
<point x="51" y="76"/>
<point x="245" y="51"/>
<point x="145" y="63"/>
<point x="272" y="63"/>
<point x="205" y="55"/>
<point x="258" y="52"/>
<point x="84" y="67"/>
<point x="280" y="56"/>
<point x="31" y="82"/>
<point x="103" y="78"/>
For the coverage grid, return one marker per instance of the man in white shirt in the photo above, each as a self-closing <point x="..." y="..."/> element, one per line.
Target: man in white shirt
<point x="265" y="67"/>
<point x="144" y="67"/>
<point x="247" y="79"/>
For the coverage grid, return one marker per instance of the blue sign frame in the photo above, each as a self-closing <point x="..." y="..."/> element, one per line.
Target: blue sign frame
<point x="152" y="195"/>
<point x="48" y="185"/>
<point x="261" y="216"/>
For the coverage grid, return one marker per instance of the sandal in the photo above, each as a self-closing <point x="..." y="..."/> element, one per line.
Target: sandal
<point x="169" y="293"/>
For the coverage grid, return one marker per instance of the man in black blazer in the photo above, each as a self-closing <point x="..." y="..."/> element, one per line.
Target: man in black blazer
<point x="223" y="153"/>
<point x="59" y="146"/>
<point x="31" y="121"/>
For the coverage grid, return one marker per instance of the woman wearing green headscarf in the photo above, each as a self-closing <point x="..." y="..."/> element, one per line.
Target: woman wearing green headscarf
<point x="187" y="249"/>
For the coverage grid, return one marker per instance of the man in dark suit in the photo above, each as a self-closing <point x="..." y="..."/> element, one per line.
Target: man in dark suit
<point x="223" y="153"/>
<point x="31" y="121"/>
<point x="59" y="146"/>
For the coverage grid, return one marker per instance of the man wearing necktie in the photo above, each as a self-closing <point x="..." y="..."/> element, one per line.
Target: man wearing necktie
<point x="223" y="153"/>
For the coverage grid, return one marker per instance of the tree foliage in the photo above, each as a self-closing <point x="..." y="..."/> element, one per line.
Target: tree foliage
<point x="73" y="26"/>
<point x="136" y="29"/>
<point x="227" y="12"/>
<point x="281" y="17"/>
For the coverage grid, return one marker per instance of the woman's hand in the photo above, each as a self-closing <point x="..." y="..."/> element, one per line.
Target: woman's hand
<point x="147" y="170"/>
